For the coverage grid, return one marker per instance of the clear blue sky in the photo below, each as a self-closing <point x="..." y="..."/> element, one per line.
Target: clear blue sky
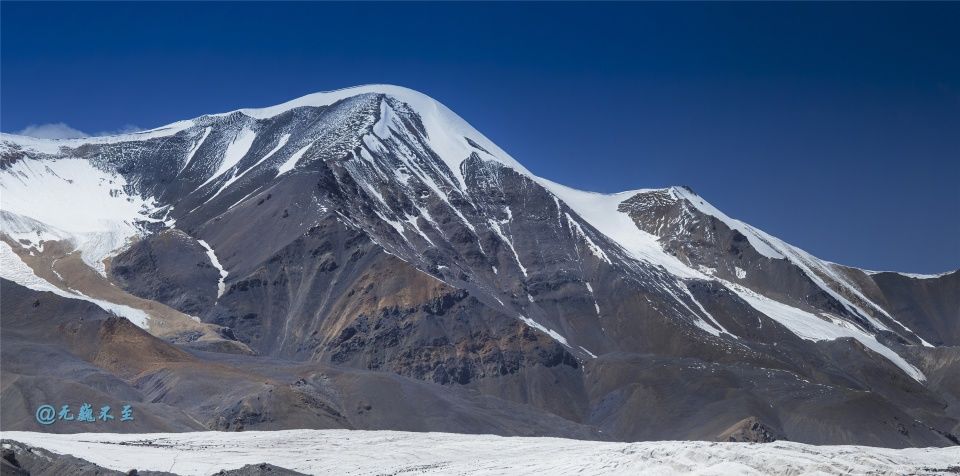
<point x="833" y="126"/>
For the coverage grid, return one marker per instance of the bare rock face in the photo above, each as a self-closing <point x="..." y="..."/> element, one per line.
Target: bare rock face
<point x="366" y="259"/>
<point x="924" y="304"/>
<point x="168" y="267"/>
<point x="749" y="430"/>
<point x="9" y="465"/>
<point x="66" y="351"/>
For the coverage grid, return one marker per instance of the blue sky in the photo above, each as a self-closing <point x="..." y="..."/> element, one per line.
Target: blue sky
<point x="834" y="126"/>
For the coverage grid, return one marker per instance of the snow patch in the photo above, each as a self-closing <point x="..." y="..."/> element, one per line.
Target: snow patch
<point x="234" y="153"/>
<point x="552" y="333"/>
<point x="496" y="229"/>
<point x="221" y="284"/>
<point x="596" y="305"/>
<point x="811" y="327"/>
<point x="912" y="275"/>
<point x="701" y="323"/>
<point x="70" y="199"/>
<point x="292" y="161"/>
<point x="14" y="269"/>
<point x="196" y="146"/>
<point x="596" y="250"/>
<point x="282" y="142"/>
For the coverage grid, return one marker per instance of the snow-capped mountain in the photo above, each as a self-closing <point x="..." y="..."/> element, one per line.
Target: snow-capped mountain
<point x="373" y="233"/>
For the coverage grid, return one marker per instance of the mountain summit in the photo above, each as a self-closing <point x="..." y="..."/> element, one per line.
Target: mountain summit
<point x="304" y="264"/>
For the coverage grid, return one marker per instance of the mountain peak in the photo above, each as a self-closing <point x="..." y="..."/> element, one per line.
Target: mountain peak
<point x="373" y="229"/>
<point x="419" y="101"/>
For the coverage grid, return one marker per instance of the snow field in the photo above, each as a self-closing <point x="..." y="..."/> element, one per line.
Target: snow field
<point x="354" y="452"/>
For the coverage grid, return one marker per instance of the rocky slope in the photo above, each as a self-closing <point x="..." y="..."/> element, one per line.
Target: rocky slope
<point x="372" y="233"/>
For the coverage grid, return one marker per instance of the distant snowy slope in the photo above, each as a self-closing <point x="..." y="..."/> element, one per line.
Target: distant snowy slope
<point x="53" y="146"/>
<point x="73" y="200"/>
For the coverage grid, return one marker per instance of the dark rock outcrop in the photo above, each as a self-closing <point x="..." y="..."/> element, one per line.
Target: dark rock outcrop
<point x="749" y="430"/>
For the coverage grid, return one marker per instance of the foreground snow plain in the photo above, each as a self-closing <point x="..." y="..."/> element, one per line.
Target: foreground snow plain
<point x="357" y="452"/>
